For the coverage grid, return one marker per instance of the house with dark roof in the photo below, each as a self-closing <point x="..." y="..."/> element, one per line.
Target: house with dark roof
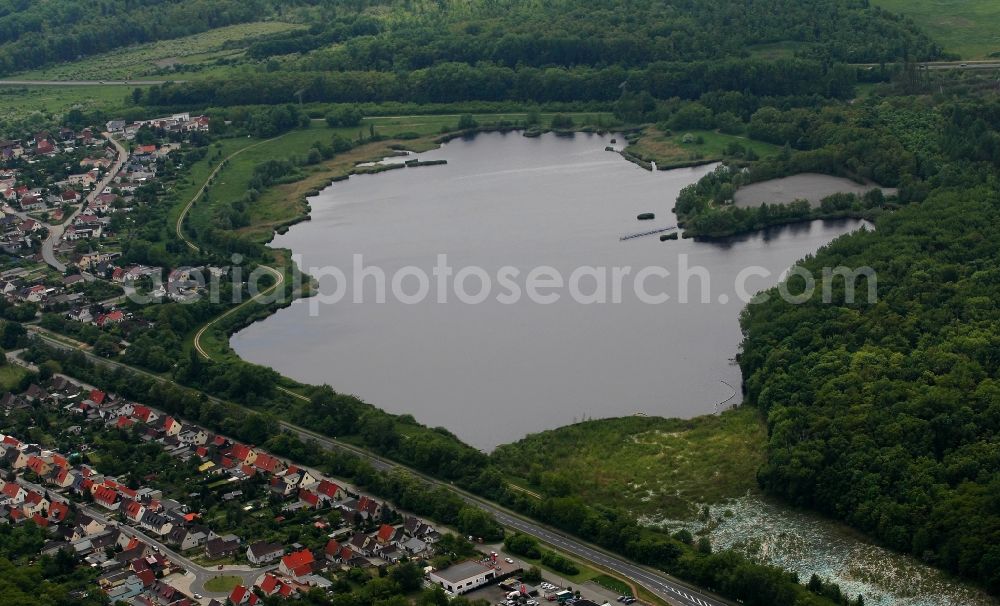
<point x="156" y="523"/>
<point x="262" y="552"/>
<point x="220" y="547"/>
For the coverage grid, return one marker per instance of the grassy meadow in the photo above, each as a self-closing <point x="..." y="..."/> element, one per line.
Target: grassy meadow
<point x="663" y="468"/>
<point x="672" y="149"/>
<point x="147" y="60"/>
<point x="970" y="28"/>
<point x="19" y="103"/>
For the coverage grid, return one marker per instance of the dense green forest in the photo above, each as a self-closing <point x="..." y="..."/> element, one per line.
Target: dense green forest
<point x="564" y="51"/>
<point x="887" y="415"/>
<point x="912" y="143"/>
<point x="399" y="36"/>
<point x="33" y="34"/>
<point x="884" y="415"/>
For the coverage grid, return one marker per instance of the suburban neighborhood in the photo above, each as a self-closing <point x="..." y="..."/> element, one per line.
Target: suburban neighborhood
<point x="149" y="544"/>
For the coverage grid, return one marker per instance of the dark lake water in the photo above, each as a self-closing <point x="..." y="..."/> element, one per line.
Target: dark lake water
<point x="493" y="372"/>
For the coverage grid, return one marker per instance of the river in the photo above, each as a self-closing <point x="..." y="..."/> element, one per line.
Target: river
<point x="494" y="371"/>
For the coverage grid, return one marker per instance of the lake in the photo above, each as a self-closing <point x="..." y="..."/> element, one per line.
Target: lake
<point x="494" y="371"/>
<point x="804" y="186"/>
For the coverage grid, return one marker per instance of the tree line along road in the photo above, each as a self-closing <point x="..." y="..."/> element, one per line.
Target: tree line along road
<point x="665" y="587"/>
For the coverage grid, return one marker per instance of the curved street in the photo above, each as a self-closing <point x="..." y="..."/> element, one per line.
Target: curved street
<point x="56" y="231"/>
<point x="198" y="574"/>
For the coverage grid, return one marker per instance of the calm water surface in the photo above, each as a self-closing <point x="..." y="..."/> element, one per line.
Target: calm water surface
<point x="491" y="372"/>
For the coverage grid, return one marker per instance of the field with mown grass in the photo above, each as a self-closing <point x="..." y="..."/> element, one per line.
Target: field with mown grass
<point x="222" y="583"/>
<point x="970" y="28"/>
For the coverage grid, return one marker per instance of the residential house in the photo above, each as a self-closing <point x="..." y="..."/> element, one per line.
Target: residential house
<point x="297" y="565"/>
<point x="242" y="596"/>
<point x="272" y="585"/>
<point x="263" y="552"/>
<point x="220" y="547"/>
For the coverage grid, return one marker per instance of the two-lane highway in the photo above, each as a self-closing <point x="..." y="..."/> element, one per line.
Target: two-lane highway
<point x="671" y="590"/>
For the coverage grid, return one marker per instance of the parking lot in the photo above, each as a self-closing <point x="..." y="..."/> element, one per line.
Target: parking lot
<point x="497" y="594"/>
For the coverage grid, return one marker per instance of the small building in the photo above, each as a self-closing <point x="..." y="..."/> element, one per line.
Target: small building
<point x="263" y="552"/>
<point x="463" y="577"/>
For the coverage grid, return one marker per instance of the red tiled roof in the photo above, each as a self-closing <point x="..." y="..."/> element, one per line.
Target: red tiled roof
<point x="97" y="396"/>
<point x="309" y="497"/>
<point x="148" y="577"/>
<point x="240" y="451"/>
<point x="266" y="462"/>
<point x="105" y="495"/>
<point x="328" y="488"/>
<point x="385" y="532"/>
<point x="298" y="559"/>
<point x="58" y="511"/>
<point x="332" y="547"/>
<point x="237" y="594"/>
<point x="269" y="583"/>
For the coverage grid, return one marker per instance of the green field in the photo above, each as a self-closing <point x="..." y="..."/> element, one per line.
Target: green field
<point x="10" y="377"/>
<point x="661" y="468"/>
<point x="678" y="148"/>
<point x="156" y="58"/>
<point x="970" y="28"/>
<point x="222" y="583"/>
<point x="22" y="102"/>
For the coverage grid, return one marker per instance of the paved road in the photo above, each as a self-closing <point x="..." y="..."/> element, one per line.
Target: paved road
<point x="662" y="585"/>
<point x="56" y="231"/>
<point x="279" y="277"/>
<point x="82" y="82"/>
<point x="200" y="573"/>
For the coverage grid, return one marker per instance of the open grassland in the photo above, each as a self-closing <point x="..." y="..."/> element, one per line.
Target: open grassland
<point x="648" y="465"/>
<point x="685" y="147"/>
<point x="970" y="28"/>
<point x="18" y="103"/>
<point x="10" y="377"/>
<point x="147" y="60"/>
